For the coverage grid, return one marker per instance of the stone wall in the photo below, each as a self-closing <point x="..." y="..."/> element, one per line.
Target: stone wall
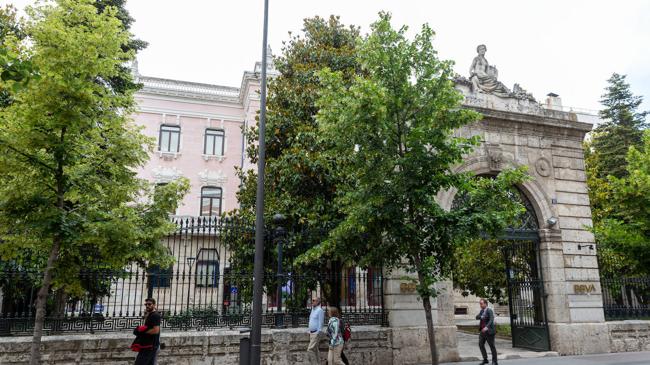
<point x="370" y="345"/>
<point x="629" y="336"/>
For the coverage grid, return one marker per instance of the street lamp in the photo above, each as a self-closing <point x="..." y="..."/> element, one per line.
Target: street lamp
<point x="258" y="271"/>
<point x="280" y="231"/>
<point x="189" y="261"/>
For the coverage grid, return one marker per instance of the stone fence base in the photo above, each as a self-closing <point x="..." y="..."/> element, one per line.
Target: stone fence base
<point x="629" y="336"/>
<point x="369" y="345"/>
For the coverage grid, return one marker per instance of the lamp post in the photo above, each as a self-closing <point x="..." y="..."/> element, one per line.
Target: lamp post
<point x="258" y="271"/>
<point x="189" y="261"/>
<point x="280" y="231"/>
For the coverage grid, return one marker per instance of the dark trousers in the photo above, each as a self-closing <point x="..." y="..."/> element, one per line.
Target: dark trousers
<point x="482" y="337"/>
<point x="146" y="357"/>
<point x="344" y="359"/>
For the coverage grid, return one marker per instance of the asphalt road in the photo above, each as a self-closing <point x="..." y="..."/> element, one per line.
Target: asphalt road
<point x="628" y="358"/>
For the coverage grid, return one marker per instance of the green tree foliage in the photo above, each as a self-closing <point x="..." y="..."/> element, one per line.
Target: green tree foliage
<point x="69" y="154"/>
<point x="300" y="179"/>
<point x="470" y="274"/>
<point x="393" y="128"/>
<point x="621" y="128"/>
<point x="606" y="156"/>
<point x="120" y="83"/>
<point x="15" y="67"/>
<point x="625" y="233"/>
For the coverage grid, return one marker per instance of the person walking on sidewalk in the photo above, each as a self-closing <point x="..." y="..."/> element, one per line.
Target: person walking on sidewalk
<point x="147" y="341"/>
<point x="487" y="331"/>
<point x="334" y="330"/>
<point x="316" y="320"/>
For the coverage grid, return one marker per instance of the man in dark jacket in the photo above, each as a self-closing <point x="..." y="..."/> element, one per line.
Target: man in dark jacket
<point x="147" y="339"/>
<point x="487" y="331"/>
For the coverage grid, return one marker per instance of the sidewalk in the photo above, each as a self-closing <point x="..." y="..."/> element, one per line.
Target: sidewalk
<point x="469" y="351"/>
<point x="627" y="358"/>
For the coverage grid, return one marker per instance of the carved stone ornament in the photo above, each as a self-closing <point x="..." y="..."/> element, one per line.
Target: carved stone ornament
<point x="163" y="174"/>
<point x="211" y="177"/>
<point x="543" y="167"/>
<point x="483" y="78"/>
<point x="168" y="156"/>
<point x="495" y="157"/>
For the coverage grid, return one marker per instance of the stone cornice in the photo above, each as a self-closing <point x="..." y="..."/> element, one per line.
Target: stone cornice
<point x="189" y="90"/>
<point x="546" y="121"/>
<point x="525" y="111"/>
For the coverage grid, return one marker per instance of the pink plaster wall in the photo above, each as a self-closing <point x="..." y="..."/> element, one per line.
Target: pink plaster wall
<point x="194" y="117"/>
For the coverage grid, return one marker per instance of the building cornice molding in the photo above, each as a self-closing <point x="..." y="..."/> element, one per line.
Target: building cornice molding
<point x="546" y="121"/>
<point x="188" y="89"/>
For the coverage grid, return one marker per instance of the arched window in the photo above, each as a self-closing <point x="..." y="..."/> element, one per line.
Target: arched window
<point x="211" y="201"/>
<point x="207" y="268"/>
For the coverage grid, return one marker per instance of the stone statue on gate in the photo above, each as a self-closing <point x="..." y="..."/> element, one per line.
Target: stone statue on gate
<point x="484" y="77"/>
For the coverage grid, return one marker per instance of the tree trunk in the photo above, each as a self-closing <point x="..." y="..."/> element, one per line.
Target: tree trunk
<point x="41" y="299"/>
<point x="426" y="303"/>
<point x="58" y="312"/>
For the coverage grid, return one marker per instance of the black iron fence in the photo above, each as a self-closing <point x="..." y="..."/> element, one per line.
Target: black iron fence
<point x="626" y="298"/>
<point x="204" y="288"/>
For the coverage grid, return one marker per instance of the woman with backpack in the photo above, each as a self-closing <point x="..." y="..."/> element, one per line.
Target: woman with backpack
<point x="335" y="333"/>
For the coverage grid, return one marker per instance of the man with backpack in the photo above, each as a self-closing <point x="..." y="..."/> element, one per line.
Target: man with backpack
<point x="147" y="340"/>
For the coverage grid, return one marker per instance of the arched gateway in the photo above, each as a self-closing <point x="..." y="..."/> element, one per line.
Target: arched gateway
<point x="555" y="253"/>
<point x="524" y="279"/>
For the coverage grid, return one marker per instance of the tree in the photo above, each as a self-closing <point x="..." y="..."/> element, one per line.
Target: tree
<point x="393" y="126"/>
<point x="626" y="232"/>
<point x="120" y="83"/>
<point x="622" y="127"/>
<point x="470" y="276"/>
<point x="300" y="182"/>
<point x="69" y="154"/>
<point x="15" y="68"/>
<point x="605" y="156"/>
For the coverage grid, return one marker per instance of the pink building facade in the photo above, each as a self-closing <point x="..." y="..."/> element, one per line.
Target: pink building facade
<point x="198" y="133"/>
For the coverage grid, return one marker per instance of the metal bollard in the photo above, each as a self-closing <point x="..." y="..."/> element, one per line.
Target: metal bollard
<point x="245" y="348"/>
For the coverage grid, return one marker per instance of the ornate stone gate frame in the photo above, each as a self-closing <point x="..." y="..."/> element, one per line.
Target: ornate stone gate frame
<point x="549" y="143"/>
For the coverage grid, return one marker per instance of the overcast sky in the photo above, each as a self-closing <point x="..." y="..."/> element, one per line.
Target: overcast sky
<point x="567" y="47"/>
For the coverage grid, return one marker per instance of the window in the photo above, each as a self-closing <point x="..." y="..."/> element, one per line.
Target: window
<point x="349" y="287"/>
<point x="207" y="268"/>
<point x="461" y="311"/>
<point x="374" y="282"/>
<point x="170" y="137"/>
<point x="159" y="277"/>
<point x="231" y="299"/>
<point x="210" y="201"/>
<point x="213" y="142"/>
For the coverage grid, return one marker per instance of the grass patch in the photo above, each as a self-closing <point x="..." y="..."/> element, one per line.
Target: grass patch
<point x="503" y="330"/>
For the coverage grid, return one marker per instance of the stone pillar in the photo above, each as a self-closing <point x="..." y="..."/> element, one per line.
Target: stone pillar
<point x="574" y="303"/>
<point x="408" y="323"/>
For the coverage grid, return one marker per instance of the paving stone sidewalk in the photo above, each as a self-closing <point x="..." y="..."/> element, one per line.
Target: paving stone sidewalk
<point x="627" y="358"/>
<point x="469" y="351"/>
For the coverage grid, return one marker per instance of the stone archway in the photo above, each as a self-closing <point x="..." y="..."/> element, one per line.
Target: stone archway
<point x="523" y="266"/>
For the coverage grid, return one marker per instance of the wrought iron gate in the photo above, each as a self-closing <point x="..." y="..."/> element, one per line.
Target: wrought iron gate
<point x="526" y="297"/>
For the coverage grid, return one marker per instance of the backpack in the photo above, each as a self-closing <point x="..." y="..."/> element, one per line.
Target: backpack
<point x="347" y="332"/>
